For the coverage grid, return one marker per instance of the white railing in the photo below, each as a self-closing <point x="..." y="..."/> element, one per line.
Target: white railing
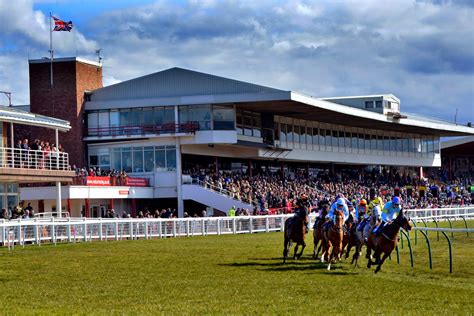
<point x="81" y="229"/>
<point x="33" y="159"/>
<point x="211" y="187"/>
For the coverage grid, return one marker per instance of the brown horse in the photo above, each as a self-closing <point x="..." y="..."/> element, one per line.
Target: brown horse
<point x="295" y="231"/>
<point x="332" y="239"/>
<point x="386" y="240"/>
<point x="349" y="239"/>
<point x="318" y="231"/>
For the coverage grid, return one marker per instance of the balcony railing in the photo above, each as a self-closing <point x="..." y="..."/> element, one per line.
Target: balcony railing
<point x="106" y="181"/>
<point x="33" y="159"/>
<point x="190" y="127"/>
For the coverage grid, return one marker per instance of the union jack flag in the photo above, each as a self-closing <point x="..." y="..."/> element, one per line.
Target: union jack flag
<point x="60" y="25"/>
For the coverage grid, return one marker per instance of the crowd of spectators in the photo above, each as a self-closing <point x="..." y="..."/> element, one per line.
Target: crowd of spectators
<point x="116" y="177"/>
<point x="274" y="193"/>
<point x="17" y="212"/>
<point x="38" y="154"/>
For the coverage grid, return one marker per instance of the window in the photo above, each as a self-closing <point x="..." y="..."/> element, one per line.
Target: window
<point x="373" y="142"/>
<point x="328" y="138"/>
<point x="322" y="139"/>
<point x="223" y="117"/>
<point x="239" y="122"/>
<point x="92" y="123"/>
<point x="117" y="159"/>
<point x="148" y="116"/>
<point x="367" y="141"/>
<point x="171" y="158"/>
<point x="378" y="104"/>
<point x="148" y="157"/>
<point x="138" y="159"/>
<point x="94" y="160"/>
<point x="160" y="158"/>
<point x="125" y="117"/>
<point x="386" y="143"/>
<point x="168" y="117"/>
<point x="257" y="125"/>
<point x="283" y="132"/>
<point x="315" y="136"/>
<point x="127" y="159"/>
<point x="354" y="138"/>
<point x="296" y="138"/>
<point x="289" y="133"/>
<point x="361" y="141"/>
<point x="369" y="104"/>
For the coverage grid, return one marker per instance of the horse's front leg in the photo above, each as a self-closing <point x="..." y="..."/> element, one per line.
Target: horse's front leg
<point x="368" y="256"/>
<point x="302" y="248"/>
<point x="385" y="256"/>
<point x="285" y="250"/>
<point x="296" y="251"/>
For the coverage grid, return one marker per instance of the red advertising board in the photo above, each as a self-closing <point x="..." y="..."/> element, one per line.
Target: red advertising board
<point x="98" y="181"/>
<point x="136" y="182"/>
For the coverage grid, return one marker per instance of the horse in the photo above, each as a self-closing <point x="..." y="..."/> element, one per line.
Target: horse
<point x="362" y="235"/>
<point x="349" y="238"/>
<point x="386" y="240"/>
<point x="295" y="231"/>
<point x="318" y="231"/>
<point x="332" y="238"/>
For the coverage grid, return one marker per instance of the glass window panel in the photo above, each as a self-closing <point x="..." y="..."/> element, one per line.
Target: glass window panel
<point x="328" y="138"/>
<point x="405" y="145"/>
<point x="183" y="114"/>
<point x="138" y="159"/>
<point x="92" y="123"/>
<point x="247" y="119"/>
<point x="355" y="141"/>
<point x="322" y="138"/>
<point x="114" y="118"/>
<point x="373" y="142"/>
<point x="392" y="144"/>
<point x="160" y="158"/>
<point x="296" y="135"/>
<point x="369" y="104"/>
<point x="367" y="141"/>
<point x="12" y="202"/>
<point x="148" y="116"/>
<point x="148" y="157"/>
<point x="104" y="118"/>
<point x="315" y="136"/>
<point x="168" y="117"/>
<point x="380" y="142"/>
<point x="12" y="188"/>
<point x="104" y="161"/>
<point x="239" y="123"/>
<point x="93" y="160"/>
<point x="116" y="156"/>
<point x="137" y="116"/>
<point x="202" y="115"/>
<point x="347" y="140"/>
<point x="378" y="104"/>
<point x="386" y="143"/>
<point x="436" y="145"/>
<point x="171" y="158"/>
<point x="309" y="136"/>
<point x="283" y="132"/>
<point x="398" y="143"/>
<point x="159" y="115"/>
<point x="127" y="159"/>
<point x="125" y="117"/>
<point x="341" y="139"/>
<point x="2" y="188"/>
<point x="334" y="139"/>
<point x="361" y="141"/>
<point x="289" y="133"/>
<point x="223" y="117"/>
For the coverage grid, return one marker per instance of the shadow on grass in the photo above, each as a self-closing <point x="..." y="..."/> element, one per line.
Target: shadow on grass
<point x="276" y="265"/>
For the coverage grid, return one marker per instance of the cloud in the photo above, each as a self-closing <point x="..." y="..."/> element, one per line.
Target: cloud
<point x="421" y="51"/>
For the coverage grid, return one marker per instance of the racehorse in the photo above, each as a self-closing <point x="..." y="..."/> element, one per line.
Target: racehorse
<point x="318" y="231"/>
<point x="349" y="239"/>
<point x="332" y="238"/>
<point x="295" y="231"/>
<point x="362" y="235"/>
<point x="386" y="240"/>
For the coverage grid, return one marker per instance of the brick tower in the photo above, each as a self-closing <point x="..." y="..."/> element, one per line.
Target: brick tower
<point x="72" y="78"/>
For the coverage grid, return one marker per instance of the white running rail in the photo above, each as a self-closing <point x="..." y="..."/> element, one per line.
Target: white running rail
<point x="54" y="230"/>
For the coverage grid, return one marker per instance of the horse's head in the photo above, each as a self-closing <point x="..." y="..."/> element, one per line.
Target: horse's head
<point x="339" y="218"/>
<point x="350" y="221"/>
<point x="376" y="215"/>
<point x="403" y="221"/>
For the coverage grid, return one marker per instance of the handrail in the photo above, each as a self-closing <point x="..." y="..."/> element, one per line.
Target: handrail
<point x="211" y="187"/>
<point x="33" y="159"/>
<point x="171" y="128"/>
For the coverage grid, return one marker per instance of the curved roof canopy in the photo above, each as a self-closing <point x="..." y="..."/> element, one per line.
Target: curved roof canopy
<point x="12" y="115"/>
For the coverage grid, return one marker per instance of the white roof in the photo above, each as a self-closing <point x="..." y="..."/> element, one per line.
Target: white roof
<point x="65" y="59"/>
<point x="456" y="142"/>
<point x="12" y="115"/>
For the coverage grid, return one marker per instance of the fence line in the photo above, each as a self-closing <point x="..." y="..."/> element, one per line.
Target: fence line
<point x="52" y="230"/>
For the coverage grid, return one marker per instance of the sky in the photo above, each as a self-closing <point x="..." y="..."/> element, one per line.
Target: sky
<point x="420" y="51"/>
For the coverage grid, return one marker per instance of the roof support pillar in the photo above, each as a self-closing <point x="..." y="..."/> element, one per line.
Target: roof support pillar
<point x="12" y="138"/>
<point x="179" y="182"/>
<point x="58" y="199"/>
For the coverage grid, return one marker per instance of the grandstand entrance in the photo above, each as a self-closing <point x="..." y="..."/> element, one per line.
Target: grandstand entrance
<point x="97" y="211"/>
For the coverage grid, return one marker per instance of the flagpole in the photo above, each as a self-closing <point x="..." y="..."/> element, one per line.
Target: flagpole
<point x="51" y="46"/>
<point x="51" y="60"/>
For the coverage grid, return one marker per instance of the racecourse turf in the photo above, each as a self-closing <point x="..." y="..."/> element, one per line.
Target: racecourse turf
<point x="231" y="274"/>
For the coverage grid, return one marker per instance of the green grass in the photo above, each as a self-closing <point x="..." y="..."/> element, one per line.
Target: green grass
<point x="240" y="274"/>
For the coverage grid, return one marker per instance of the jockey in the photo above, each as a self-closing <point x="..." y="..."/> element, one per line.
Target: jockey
<point x="374" y="200"/>
<point x="351" y="208"/>
<point x="304" y="207"/>
<point x="389" y="212"/>
<point x="361" y="211"/>
<point x="340" y="205"/>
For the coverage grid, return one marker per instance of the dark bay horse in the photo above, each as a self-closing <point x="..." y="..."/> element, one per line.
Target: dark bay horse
<point x="386" y="240"/>
<point x="349" y="239"/>
<point x="332" y="240"/>
<point x="295" y="231"/>
<point x="318" y="231"/>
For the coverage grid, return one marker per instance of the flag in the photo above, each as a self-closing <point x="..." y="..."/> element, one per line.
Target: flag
<point x="60" y="25"/>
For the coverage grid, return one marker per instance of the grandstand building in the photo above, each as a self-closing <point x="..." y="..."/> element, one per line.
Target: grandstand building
<point x="158" y="126"/>
<point x="19" y="166"/>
